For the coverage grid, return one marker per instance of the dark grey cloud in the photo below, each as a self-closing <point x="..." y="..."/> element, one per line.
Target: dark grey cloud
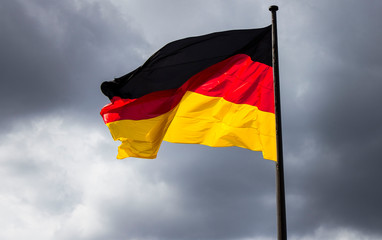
<point x="210" y="196"/>
<point x="340" y="132"/>
<point x="56" y="54"/>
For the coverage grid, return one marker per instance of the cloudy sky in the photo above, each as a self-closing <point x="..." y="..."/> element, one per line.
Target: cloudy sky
<point x="59" y="175"/>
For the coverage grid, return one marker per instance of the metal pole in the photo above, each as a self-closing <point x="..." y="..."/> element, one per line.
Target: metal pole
<point x="280" y="188"/>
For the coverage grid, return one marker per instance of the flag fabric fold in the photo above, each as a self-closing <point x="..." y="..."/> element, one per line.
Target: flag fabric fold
<point x="215" y="90"/>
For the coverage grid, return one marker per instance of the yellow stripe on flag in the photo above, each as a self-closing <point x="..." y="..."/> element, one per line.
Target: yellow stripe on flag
<point x="199" y="119"/>
<point x="140" y="138"/>
<point x="215" y="122"/>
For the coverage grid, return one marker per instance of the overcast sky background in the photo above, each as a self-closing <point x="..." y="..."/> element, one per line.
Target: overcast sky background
<point x="59" y="175"/>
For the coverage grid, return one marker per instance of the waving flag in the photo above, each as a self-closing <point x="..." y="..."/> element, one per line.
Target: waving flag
<point x="215" y="90"/>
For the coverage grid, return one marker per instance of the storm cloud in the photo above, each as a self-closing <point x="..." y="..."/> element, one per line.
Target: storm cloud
<point x="60" y="178"/>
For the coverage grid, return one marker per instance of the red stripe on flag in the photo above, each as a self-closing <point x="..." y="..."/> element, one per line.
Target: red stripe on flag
<point x="237" y="79"/>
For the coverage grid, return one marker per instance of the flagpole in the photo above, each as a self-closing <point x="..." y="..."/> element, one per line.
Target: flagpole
<point x="280" y="186"/>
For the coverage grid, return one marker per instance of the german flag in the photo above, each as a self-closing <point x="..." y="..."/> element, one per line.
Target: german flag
<point x="215" y="90"/>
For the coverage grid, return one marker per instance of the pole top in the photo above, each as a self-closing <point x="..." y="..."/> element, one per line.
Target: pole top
<point x="273" y="8"/>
